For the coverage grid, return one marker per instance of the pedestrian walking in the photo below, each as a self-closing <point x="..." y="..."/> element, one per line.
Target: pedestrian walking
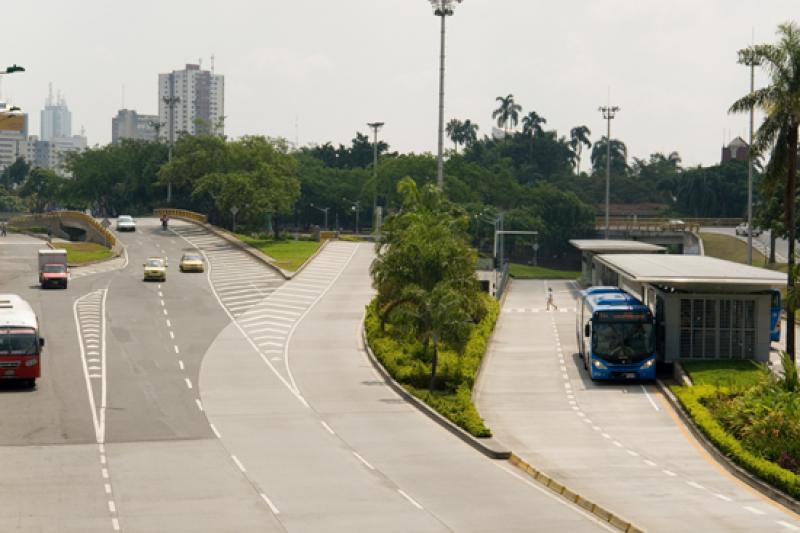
<point x="3" y="230"/>
<point x="550" y="301"/>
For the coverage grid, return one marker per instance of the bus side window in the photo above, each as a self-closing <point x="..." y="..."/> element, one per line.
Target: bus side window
<point x="776" y="299"/>
<point x="587" y="329"/>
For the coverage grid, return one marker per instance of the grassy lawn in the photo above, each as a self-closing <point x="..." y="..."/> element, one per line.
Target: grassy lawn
<point x="733" y="249"/>
<point x="288" y="255"/>
<point x="520" y="271"/>
<point x="80" y="253"/>
<point x="738" y="374"/>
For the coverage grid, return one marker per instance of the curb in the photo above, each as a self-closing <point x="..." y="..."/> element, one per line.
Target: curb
<point x="258" y="254"/>
<point x="488" y="447"/>
<point x="724" y="461"/>
<point x="573" y="497"/>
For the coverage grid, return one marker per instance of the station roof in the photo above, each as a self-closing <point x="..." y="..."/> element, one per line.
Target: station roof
<point x="692" y="272"/>
<point x="610" y="246"/>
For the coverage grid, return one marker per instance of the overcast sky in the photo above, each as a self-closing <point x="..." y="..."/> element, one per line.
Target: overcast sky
<point x="318" y="70"/>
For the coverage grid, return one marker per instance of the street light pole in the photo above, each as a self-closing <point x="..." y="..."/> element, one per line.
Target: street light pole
<point x="375" y="127"/>
<point x="750" y="172"/>
<point x="443" y="9"/>
<point x="170" y="101"/>
<point x="609" y="112"/>
<point x="325" y="211"/>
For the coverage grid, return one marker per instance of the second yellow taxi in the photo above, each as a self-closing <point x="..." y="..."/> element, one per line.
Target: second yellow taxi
<point x="191" y="262"/>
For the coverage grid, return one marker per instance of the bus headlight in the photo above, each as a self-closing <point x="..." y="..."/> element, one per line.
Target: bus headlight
<point x="647" y="364"/>
<point x="32" y="362"/>
<point x="599" y="365"/>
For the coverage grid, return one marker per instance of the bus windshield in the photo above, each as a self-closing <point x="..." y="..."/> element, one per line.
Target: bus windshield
<point x="18" y="342"/>
<point x="632" y="341"/>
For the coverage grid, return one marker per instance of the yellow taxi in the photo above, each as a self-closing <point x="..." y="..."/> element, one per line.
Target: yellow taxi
<point x="191" y="262"/>
<point x="155" y="268"/>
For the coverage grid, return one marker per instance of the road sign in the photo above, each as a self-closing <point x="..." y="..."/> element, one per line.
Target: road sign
<point x="105" y="223"/>
<point x="536" y="247"/>
<point x="234" y="210"/>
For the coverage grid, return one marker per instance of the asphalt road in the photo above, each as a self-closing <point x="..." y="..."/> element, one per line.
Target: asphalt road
<point x="760" y="243"/>
<point x="231" y="401"/>
<point x="618" y="444"/>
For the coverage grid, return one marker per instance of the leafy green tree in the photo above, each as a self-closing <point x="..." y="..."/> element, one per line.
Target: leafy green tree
<point x="578" y="138"/>
<point x="424" y="271"/>
<point x="507" y="112"/>
<point x="532" y="124"/>
<point x="455" y="130"/>
<point x="780" y="101"/>
<point x="42" y="189"/>
<point x="14" y="174"/>
<point x="469" y="132"/>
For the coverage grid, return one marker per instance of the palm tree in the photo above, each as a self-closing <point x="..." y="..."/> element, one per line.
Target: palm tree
<point x="780" y="102"/>
<point x="469" y="132"/>
<point x="507" y="112"/>
<point x="619" y="156"/>
<point x="579" y="137"/>
<point x="532" y="124"/>
<point x="455" y="130"/>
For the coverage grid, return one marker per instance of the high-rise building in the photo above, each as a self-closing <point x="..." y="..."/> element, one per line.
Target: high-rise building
<point x="128" y="124"/>
<point x="13" y="135"/>
<point x="56" y="118"/>
<point x="191" y="101"/>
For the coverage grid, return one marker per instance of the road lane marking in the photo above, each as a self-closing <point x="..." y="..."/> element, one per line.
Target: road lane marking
<point x="723" y="497"/>
<point x="115" y="524"/>
<point x="214" y="430"/>
<point x="238" y="463"/>
<point x="787" y="525"/>
<point x="199" y="404"/>
<point x="163" y="303"/>
<point x="269" y="503"/>
<point x="180" y="364"/>
<point x="165" y="312"/>
<point x="669" y="473"/>
<point x="618" y="444"/>
<point x="172" y="335"/>
<point x="648" y="462"/>
<point x="606" y="436"/>
<point x="177" y="350"/>
<point x="409" y="498"/>
<point x="104" y="473"/>
<point x="632" y="453"/>
<point x="327" y="427"/>
<point x="107" y="488"/>
<point x="364" y="461"/>
<point x="112" y="508"/>
<point x="189" y="383"/>
<point x="169" y="324"/>
<point x="649" y="398"/>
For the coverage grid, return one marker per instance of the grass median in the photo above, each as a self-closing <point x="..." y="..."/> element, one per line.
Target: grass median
<point x="81" y="253"/>
<point x="408" y="363"/>
<point x="520" y="271"/>
<point x="288" y="254"/>
<point x="750" y="415"/>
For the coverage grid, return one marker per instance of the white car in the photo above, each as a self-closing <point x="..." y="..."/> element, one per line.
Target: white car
<point x="126" y="223"/>
<point x="741" y="229"/>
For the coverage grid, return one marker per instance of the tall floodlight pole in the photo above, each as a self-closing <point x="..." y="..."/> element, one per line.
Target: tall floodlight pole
<point x="747" y="58"/>
<point x="375" y="127"/>
<point x="609" y="112"/>
<point x="170" y="101"/>
<point x="442" y="9"/>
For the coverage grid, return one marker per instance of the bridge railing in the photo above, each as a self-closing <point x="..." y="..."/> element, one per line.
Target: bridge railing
<point x="181" y="213"/>
<point x="650" y="226"/>
<point x="110" y="239"/>
<point x="669" y="224"/>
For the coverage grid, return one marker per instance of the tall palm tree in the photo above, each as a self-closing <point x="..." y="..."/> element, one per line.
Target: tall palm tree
<point x="455" y="130"/>
<point x="469" y="132"/>
<point x="532" y="123"/>
<point x="507" y="112"/>
<point x="579" y="137"/>
<point x="780" y="102"/>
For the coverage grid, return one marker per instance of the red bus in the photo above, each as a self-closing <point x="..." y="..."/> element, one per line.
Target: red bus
<point x="20" y="343"/>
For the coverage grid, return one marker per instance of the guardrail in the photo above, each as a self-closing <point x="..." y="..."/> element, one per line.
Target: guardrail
<point x="712" y="222"/>
<point x="110" y="238"/>
<point x="181" y="213"/>
<point x="649" y="226"/>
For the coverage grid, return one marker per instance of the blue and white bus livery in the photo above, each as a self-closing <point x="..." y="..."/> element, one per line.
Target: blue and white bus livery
<point x="616" y="335"/>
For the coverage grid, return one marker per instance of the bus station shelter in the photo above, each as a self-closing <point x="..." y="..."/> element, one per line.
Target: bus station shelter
<point x="591" y="247"/>
<point x="705" y="308"/>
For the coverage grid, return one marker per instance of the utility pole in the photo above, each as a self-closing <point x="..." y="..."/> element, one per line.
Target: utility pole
<point x="752" y="64"/>
<point x="609" y="112"/>
<point x="170" y="101"/>
<point x="375" y="127"/>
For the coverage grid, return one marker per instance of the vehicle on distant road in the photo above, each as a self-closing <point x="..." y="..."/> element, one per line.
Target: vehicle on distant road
<point x="20" y="343"/>
<point x="191" y="262"/>
<point x="155" y="269"/>
<point x="741" y="229"/>
<point x="126" y="223"/>
<point x="53" y="270"/>
<point x="616" y="335"/>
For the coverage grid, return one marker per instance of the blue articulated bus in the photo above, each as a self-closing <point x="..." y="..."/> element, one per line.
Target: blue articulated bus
<point x="616" y="335"/>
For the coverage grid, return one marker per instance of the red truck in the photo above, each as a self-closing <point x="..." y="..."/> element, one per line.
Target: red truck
<point x="53" y="271"/>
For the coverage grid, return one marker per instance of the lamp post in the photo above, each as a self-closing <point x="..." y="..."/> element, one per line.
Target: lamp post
<point x="609" y="112"/>
<point x="324" y="210"/>
<point x="375" y="127"/>
<point x="442" y="9"/>
<point x="170" y="101"/>
<point x="12" y="69"/>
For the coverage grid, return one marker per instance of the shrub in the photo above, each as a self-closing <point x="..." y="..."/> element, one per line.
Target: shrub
<point x="403" y="358"/>
<point x="693" y="398"/>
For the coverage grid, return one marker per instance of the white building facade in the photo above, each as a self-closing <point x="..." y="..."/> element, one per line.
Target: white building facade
<point x="56" y="118"/>
<point x="128" y="124"/>
<point x="197" y="102"/>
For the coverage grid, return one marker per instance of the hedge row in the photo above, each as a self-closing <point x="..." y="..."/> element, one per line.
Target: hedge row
<point x="400" y="357"/>
<point x="691" y="399"/>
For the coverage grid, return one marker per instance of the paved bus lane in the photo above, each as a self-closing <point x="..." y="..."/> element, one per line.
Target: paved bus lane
<point x="618" y="444"/>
